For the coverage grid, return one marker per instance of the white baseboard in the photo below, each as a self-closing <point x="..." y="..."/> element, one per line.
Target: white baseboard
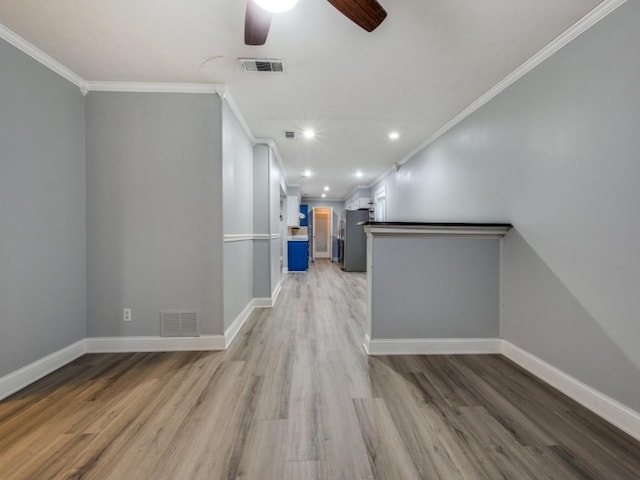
<point x="367" y="342"/>
<point x="276" y="293"/>
<point x="261" y="302"/>
<point x="233" y="329"/>
<point x="154" y="344"/>
<point x="433" y="346"/>
<point x="606" y="407"/>
<point x="14" y="381"/>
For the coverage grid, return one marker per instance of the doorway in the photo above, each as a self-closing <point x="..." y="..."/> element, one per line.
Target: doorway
<point x="322" y="232"/>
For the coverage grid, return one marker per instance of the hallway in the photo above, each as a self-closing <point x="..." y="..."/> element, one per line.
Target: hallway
<point x="295" y="397"/>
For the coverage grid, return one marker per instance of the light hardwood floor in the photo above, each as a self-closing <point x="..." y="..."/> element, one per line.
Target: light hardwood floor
<point x="295" y="397"/>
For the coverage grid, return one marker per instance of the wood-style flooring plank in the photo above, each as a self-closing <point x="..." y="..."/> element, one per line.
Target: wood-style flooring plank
<point x="296" y="397"/>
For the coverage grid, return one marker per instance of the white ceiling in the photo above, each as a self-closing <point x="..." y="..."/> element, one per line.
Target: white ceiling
<point x="427" y="61"/>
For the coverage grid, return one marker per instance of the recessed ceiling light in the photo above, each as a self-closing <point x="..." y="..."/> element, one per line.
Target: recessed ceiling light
<point x="306" y="173"/>
<point x="309" y="133"/>
<point x="359" y="174"/>
<point x="326" y="189"/>
<point x="324" y="195"/>
<point x="394" y="135"/>
<point x="276" y="6"/>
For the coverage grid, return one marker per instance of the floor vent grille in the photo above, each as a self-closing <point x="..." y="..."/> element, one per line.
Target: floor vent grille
<point x="179" y="323"/>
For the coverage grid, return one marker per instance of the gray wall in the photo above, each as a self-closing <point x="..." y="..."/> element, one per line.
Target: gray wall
<point x="154" y="197"/>
<point x="435" y="288"/>
<point x="556" y="154"/>
<point x="237" y="167"/>
<point x="42" y="211"/>
<point x="276" y="181"/>
<point x="261" y="222"/>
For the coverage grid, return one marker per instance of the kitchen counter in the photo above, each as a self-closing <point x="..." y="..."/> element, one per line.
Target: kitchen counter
<point x="433" y="287"/>
<point x="298" y="238"/>
<point x="436" y="229"/>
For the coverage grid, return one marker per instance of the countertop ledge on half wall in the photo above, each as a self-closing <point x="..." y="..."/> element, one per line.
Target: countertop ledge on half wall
<point x="436" y="229"/>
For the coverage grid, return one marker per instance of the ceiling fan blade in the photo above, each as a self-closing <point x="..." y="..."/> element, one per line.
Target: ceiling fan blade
<point x="256" y="24"/>
<point x="368" y="14"/>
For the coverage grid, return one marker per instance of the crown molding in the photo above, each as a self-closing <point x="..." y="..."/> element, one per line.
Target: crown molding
<point x="266" y="141"/>
<point x="223" y="92"/>
<point x="581" y="26"/>
<point x="575" y="30"/>
<point x="357" y="187"/>
<point x="150" y="87"/>
<point x="34" y="52"/>
<point x="320" y="199"/>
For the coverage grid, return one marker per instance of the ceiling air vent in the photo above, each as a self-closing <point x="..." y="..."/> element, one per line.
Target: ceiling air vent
<point x="269" y="65"/>
<point x="289" y="134"/>
<point x="179" y="323"/>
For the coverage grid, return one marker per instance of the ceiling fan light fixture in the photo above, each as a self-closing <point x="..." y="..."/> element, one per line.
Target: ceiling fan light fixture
<point x="276" y="6"/>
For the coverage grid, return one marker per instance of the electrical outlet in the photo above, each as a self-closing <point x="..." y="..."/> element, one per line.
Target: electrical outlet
<point x="126" y="315"/>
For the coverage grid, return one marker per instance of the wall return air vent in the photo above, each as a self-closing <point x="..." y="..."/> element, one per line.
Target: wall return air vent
<point x="257" y="65"/>
<point x="179" y="323"/>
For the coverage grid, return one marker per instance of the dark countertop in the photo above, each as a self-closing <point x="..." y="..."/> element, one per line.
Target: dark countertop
<point x="434" y="224"/>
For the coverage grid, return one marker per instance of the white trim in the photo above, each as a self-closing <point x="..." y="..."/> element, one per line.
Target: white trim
<point x="262" y="302"/>
<point x="243" y="237"/>
<point x="589" y="20"/>
<point x="276" y="293"/>
<point x="38" y="55"/>
<point x="144" y="87"/>
<point x="223" y="92"/>
<point x="358" y="187"/>
<point x="367" y="344"/>
<point x="436" y="230"/>
<point x="606" y="407"/>
<point x="25" y="376"/>
<point x="232" y="330"/>
<point x="238" y="237"/>
<point x="320" y="199"/>
<point x="285" y="270"/>
<point x="154" y="344"/>
<point x="432" y="346"/>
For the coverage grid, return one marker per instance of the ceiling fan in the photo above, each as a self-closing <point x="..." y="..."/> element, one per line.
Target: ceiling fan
<point x="367" y="14"/>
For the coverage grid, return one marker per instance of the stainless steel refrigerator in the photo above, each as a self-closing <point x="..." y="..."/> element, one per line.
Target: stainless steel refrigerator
<point x="354" y="252"/>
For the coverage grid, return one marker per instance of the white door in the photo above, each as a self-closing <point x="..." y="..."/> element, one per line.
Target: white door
<point x="322" y="232"/>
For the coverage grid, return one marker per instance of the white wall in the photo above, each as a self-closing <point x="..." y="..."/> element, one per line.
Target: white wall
<point x="556" y="154"/>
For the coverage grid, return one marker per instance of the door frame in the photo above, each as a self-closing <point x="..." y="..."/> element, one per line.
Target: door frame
<point x="329" y="233"/>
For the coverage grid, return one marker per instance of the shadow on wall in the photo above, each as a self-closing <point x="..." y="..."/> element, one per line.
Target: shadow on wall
<point x="542" y="316"/>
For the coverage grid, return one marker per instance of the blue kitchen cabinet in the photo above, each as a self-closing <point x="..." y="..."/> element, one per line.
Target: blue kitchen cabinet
<point x="298" y="253"/>
<point x="304" y="210"/>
